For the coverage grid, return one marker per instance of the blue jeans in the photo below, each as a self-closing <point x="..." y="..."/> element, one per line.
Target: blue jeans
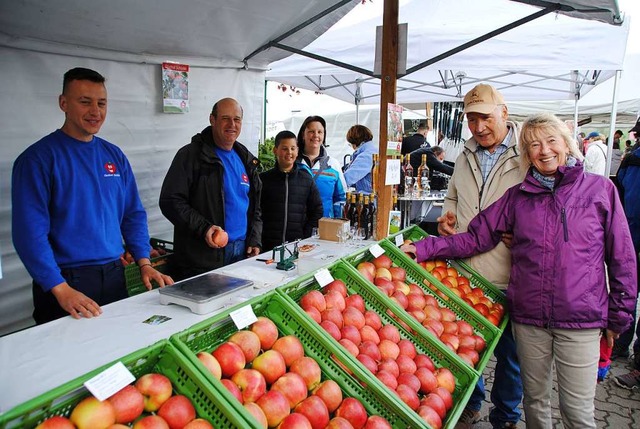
<point x="234" y="251"/>
<point x="624" y="341"/>
<point x="506" y="393"/>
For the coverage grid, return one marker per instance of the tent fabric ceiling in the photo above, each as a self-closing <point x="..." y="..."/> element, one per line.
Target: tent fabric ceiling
<point x="549" y="58"/>
<point x="220" y="30"/>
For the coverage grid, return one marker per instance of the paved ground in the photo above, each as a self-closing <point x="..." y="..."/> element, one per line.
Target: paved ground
<point x="616" y="408"/>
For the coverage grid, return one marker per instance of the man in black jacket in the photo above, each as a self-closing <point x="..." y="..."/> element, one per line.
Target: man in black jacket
<point x="213" y="184"/>
<point x="291" y="204"/>
<point x="418" y="140"/>
<point x="435" y="156"/>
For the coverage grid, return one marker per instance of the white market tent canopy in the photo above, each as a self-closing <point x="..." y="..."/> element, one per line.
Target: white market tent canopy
<point x="551" y="57"/>
<point x="229" y="45"/>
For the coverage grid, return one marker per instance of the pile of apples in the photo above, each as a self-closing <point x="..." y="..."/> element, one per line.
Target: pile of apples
<point x="459" y="285"/>
<point x="280" y="386"/>
<point x="380" y="348"/>
<point x="456" y="334"/>
<point x="148" y="404"/>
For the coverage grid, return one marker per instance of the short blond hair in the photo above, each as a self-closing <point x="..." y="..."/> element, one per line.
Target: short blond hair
<point x="532" y="129"/>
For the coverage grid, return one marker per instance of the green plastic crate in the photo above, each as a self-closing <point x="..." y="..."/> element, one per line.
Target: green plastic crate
<point x="480" y="324"/>
<point x="207" y="335"/>
<point x="161" y="263"/>
<point x="162" y="357"/>
<point x="415" y="233"/>
<point x="425" y="342"/>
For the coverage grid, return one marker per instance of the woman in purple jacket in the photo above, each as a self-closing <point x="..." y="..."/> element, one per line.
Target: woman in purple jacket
<point x="566" y="225"/>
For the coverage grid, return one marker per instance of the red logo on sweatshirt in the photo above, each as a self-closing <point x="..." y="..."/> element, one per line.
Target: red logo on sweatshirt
<point x="110" y="167"/>
<point x="245" y="178"/>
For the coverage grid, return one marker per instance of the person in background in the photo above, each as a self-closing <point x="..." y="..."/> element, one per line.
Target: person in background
<point x="595" y="158"/>
<point x="290" y="202"/>
<point x="616" y="154"/>
<point x="417" y="140"/>
<point x="629" y="186"/>
<point x="566" y="225"/>
<point x="486" y="168"/>
<point x="435" y="158"/>
<point x="325" y="169"/>
<point x="74" y="199"/>
<point x="213" y="184"/>
<point x="358" y="172"/>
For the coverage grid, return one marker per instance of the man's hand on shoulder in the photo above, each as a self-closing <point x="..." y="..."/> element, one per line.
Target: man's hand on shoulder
<point x="447" y="224"/>
<point x="75" y="303"/>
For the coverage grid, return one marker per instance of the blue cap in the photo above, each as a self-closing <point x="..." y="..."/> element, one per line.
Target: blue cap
<point x="593" y="134"/>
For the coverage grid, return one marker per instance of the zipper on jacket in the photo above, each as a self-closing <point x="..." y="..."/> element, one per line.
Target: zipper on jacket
<point x="564" y="224"/>
<point x="286" y="207"/>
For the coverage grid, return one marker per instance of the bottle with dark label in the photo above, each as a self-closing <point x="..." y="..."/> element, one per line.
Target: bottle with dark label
<point x="365" y="217"/>
<point x="353" y="211"/>
<point x="372" y="215"/>
<point x="408" y="178"/>
<point x="375" y="166"/>
<point x="347" y="203"/>
<point x="395" y="202"/>
<point x="401" y="184"/>
<point x="359" y="207"/>
<point x="423" y="177"/>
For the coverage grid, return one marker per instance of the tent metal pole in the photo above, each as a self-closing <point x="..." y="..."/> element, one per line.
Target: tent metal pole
<point x="575" y="118"/>
<point x="612" y="126"/>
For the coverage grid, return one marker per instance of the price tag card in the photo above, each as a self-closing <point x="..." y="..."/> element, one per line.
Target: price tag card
<point x="109" y="381"/>
<point x="399" y="240"/>
<point x="323" y="277"/>
<point x="376" y="250"/>
<point x="393" y="172"/>
<point x="243" y="317"/>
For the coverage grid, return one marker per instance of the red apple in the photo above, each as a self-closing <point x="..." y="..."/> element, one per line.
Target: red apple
<point x="372" y="319"/>
<point x="407" y="348"/>
<point x="313" y="299"/>
<point x="428" y="381"/>
<point x="251" y="383"/>
<point x="389" y="332"/>
<point x="387" y="379"/>
<point x="409" y="380"/>
<point x="406" y="364"/>
<point x="351" y="348"/>
<point x="367" y="333"/>
<point x="400" y="298"/>
<point x="156" y="388"/>
<point x="295" y="421"/>
<point x="93" y="414"/>
<point x="401" y="286"/>
<point x="385" y="285"/>
<point x="249" y="342"/>
<point x="211" y="364"/>
<point x="482" y="309"/>
<point x="377" y="422"/>
<point x="266" y="330"/>
<point x="467" y="342"/>
<point x="388" y="349"/>
<point x="433" y="325"/>
<point x="389" y="365"/>
<point x="450" y="327"/>
<point x="353" y="410"/>
<point x="230" y="357"/>
<point x="275" y="407"/>
<point x="470" y="355"/>
<point x="445" y="379"/>
<point x="446" y="397"/>
<point x="480" y="343"/>
<point x="329" y="391"/>
<point x="220" y="237"/>
<point x="451" y="339"/>
<point x="334" y="299"/>
<point x="232" y="388"/>
<point x="368" y="362"/>
<point x="308" y="369"/>
<point x="56" y="422"/>
<point x="198" y="424"/>
<point x="408" y="396"/>
<point x="370" y="349"/>
<point x="257" y="414"/>
<point x="177" y="411"/>
<point x="464" y="328"/>
<point x="151" y="422"/>
<point x="314" y="409"/>
<point x="337" y="285"/>
<point x="293" y="387"/>
<point x="417" y="301"/>
<point x="334" y="315"/>
<point x="367" y="269"/>
<point x="423" y="360"/>
<point x="270" y="364"/>
<point x="430" y="416"/>
<point x="314" y="314"/>
<point x="383" y="273"/>
<point x="382" y="261"/>
<point x="398" y="273"/>
<point x="128" y="403"/>
<point x="432" y="312"/>
<point x="355" y="300"/>
<point x="290" y="348"/>
<point x="434" y="401"/>
<point x="339" y="423"/>
<point x="354" y="317"/>
<point x="332" y="329"/>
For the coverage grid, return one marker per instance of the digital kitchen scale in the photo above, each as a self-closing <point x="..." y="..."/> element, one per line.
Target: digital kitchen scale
<point x="203" y="294"/>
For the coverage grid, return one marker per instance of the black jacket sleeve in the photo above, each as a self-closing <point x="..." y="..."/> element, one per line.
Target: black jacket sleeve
<point x="314" y="210"/>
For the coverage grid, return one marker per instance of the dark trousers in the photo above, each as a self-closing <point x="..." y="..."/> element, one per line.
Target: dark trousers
<point x="626" y="337"/>
<point x="102" y="283"/>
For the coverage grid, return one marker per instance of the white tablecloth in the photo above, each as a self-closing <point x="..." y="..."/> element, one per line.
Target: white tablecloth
<point x="41" y="358"/>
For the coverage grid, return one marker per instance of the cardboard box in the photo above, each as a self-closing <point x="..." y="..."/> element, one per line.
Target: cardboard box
<point x="328" y="228"/>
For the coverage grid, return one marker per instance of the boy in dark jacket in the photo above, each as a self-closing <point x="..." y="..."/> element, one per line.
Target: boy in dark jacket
<point x="291" y="204"/>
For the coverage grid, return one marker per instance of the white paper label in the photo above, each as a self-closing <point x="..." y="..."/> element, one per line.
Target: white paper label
<point x="399" y="240"/>
<point x="376" y="250"/>
<point x="243" y="317"/>
<point x="109" y="381"/>
<point x="323" y="277"/>
<point x="393" y="172"/>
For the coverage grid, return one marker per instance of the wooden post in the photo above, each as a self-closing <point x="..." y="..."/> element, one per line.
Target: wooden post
<point x="429" y="118"/>
<point x="388" y="95"/>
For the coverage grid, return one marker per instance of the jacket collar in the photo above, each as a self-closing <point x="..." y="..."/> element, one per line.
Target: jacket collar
<point x="566" y="176"/>
<point x="209" y="153"/>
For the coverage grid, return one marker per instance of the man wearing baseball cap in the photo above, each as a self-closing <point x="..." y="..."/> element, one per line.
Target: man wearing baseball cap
<point x="485" y="169"/>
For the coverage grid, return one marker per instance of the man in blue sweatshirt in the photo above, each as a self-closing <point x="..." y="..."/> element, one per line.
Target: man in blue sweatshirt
<point x="74" y="199"/>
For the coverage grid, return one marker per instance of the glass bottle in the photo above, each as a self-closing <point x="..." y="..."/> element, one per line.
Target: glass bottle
<point x="365" y="217"/>
<point x="353" y="211"/>
<point x="423" y="177"/>
<point x="347" y="204"/>
<point x="408" y="178"/>
<point x="402" y="169"/>
<point x="375" y="166"/>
